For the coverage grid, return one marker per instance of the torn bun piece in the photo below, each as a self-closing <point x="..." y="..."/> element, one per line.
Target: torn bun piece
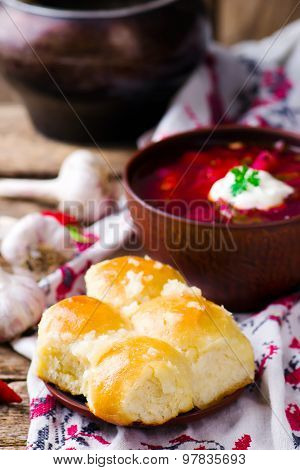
<point x="70" y="333"/>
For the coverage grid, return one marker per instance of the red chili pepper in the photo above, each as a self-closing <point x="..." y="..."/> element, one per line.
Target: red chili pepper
<point x="7" y="395"/>
<point x="61" y="217"/>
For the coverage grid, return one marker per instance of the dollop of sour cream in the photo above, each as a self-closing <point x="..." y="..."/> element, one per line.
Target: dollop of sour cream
<point x="268" y="193"/>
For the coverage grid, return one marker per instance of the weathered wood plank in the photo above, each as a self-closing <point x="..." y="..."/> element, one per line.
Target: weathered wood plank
<point x="14" y="420"/>
<point x="13" y="367"/>
<point x="18" y="208"/>
<point x="237" y="20"/>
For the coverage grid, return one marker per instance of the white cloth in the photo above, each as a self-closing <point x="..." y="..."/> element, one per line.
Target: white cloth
<point x="254" y="83"/>
<point x="266" y="416"/>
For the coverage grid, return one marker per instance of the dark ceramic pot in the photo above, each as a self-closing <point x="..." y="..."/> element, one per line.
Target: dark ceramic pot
<point x="241" y="267"/>
<point x="100" y="75"/>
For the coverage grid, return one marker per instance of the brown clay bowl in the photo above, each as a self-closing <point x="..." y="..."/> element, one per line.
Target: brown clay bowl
<point x="78" y="404"/>
<point x="242" y="267"/>
<point x="104" y="75"/>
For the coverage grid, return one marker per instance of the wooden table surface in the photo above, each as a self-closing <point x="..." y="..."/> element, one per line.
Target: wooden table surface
<point x="24" y="152"/>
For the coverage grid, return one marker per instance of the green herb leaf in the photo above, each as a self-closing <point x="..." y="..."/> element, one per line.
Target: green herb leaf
<point x="76" y="235"/>
<point x="254" y="178"/>
<point x="243" y="177"/>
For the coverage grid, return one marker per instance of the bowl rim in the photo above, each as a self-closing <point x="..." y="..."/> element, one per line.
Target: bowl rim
<point x="53" y="12"/>
<point x="230" y="128"/>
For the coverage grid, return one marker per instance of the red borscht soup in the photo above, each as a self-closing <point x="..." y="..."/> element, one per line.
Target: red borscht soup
<point x="182" y="184"/>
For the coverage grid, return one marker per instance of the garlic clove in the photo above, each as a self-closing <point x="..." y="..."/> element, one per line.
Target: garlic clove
<point x="85" y="189"/>
<point x="22" y="303"/>
<point x="82" y="187"/>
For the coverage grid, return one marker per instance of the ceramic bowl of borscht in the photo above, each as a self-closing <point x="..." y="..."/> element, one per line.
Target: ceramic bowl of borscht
<point x="223" y="207"/>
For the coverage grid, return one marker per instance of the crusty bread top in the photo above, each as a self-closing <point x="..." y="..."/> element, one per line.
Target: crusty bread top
<point x="186" y="320"/>
<point x="126" y="280"/>
<point x="75" y="317"/>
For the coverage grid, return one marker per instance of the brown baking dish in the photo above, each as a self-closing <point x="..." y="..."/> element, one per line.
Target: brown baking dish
<point x="240" y="266"/>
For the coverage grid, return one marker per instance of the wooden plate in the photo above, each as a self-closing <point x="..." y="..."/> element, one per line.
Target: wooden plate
<point x="78" y="403"/>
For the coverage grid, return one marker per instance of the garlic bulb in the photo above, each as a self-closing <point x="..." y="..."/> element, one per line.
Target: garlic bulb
<point x="22" y="303"/>
<point x="36" y="238"/>
<point x="82" y="188"/>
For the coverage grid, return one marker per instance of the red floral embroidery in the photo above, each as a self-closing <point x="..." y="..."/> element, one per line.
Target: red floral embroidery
<point x="276" y="318"/>
<point x="272" y="349"/>
<point x="293" y="378"/>
<point x="192" y="115"/>
<point x="41" y="407"/>
<point x="293" y="416"/>
<point x="243" y="443"/>
<point x="295" y="344"/>
<point x="76" y="434"/>
<point x="181" y="439"/>
<point x="72" y="430"/>
<point x="69" y="277"/>
<point x="277" y="83"/>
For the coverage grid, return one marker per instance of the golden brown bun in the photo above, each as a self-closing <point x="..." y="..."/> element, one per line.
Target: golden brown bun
<point x="80" y="315"/>
<point x="127" y="281"/>
<point x="76" y="321"/>
<point x="207" y="335"/>
<point x="139" y="380"/>
<point x="173" y="351"/>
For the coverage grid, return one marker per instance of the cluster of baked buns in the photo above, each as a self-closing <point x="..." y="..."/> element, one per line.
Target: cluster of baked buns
<point x="142" y="346"/>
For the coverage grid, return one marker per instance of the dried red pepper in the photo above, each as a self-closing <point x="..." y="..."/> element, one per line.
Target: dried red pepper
<point x="7" y="395"/>
<point x="61" y="217"/>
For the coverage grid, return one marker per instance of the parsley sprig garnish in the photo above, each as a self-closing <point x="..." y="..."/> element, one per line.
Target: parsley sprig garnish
<point x="244" y="177"/>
